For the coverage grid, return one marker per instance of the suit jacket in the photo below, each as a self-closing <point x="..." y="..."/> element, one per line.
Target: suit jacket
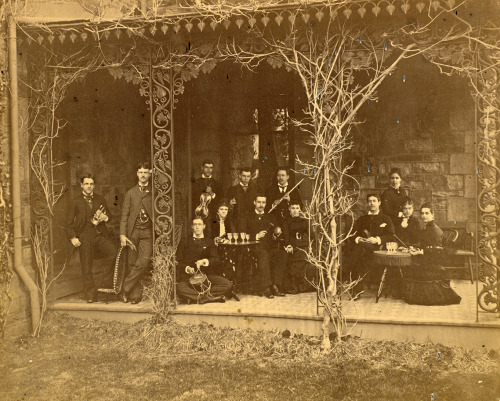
<point x="191" y="250"/>
<point x="244" y="202"/>
<point x="379" y="225"/>
<point x="273" y="193"/>
<point x="256" y="223"/>
<point x="79" y="213"/>
<point x="411" y="234"/>
<point x="134" y="201"/>
<point x="392" y="202"/>
<point x="200" y="186"/>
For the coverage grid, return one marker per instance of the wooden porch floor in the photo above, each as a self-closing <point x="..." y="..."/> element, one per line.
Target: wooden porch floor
<point x="389" y="319"/>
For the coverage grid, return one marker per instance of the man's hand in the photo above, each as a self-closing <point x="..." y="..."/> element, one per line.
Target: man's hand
<point x="75" y="242"/>
<point x="289" y="249"/>
<point x="371" y="240"/>
<point x="261" y="234"/>
<point x="124" y="241"/>
<point x="189" y="270"/>
<point x="287" y="197"/>
<point x="233" y="202"/>
<point x="201" y="263"/>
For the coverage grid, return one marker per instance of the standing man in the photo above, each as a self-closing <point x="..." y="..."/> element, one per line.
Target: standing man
<point x="276" y="192"/>
<point x="206" y="184"/>
<point x="270" y="253"/>
<point x="371" y="232"/>
<point x="136" y="231"/>
<point x="199" y="255"/>
<point x="86" y="228"/>
<point x="241" y="197"/>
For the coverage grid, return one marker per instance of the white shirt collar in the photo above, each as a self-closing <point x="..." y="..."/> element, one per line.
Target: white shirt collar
<point x="195" y="237"/>
<point x="243" y="185"/>
<point x="259" y="213"/>
<point x="84" y="194"/>
<point x="373" y="214"/>
<point x="204" y="176"/>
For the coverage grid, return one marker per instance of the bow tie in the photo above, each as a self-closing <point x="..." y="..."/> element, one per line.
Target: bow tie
<point x="143" y="188"/>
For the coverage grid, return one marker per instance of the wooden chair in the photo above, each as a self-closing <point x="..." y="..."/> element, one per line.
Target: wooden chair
<point x="450" y="237"/>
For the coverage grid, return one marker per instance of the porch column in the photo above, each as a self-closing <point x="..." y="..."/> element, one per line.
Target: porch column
<point x="487" y="152"/>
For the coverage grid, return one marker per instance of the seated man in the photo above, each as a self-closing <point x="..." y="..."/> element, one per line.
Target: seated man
<point x="371" y="232"/>
<point x="198" y="254"/>
<point x="271" y="257"/>
<point x="300" y="273"/>
<point x="408" y="227"/>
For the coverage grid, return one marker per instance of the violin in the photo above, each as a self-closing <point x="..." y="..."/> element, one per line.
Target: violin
<point x="202" y="209"/>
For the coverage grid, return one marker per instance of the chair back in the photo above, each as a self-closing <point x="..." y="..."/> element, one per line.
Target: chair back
<point x="450" y="236"/>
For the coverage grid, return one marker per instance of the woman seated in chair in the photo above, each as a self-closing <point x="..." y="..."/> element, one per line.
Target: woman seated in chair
<point x="424" y="280"/>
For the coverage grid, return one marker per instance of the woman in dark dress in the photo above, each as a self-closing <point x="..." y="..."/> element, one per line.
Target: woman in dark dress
<point x="424" y="282"/>
<point x="393" y="197"/>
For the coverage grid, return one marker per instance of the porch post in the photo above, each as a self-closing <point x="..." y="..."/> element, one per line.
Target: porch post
<point x="488" y="103"/>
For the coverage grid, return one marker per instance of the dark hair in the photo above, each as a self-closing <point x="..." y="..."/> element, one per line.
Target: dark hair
<point x="293" y="203"/>
<point x="207" y="161"/>
<point x="427" y="206"/>
<point x="197" y="218"/>
<point x="223" y="202"/>
<point x="285" y="169"/>
<point x="373" y="194"/>
<point x="245" y="170"/>
<point x="395" y="170"/>
<point x="87" y="175"/>
<point x="145" y="165"/>
<point x="408" y="201"/>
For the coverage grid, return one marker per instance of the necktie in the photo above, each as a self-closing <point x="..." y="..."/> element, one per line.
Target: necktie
<point x="222" y="228"/>
<point x="88" y="199"/>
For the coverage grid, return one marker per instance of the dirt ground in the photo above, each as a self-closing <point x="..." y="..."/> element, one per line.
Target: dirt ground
<point x="90" y="360"/>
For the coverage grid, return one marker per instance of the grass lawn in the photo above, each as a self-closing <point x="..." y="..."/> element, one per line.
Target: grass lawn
<point x="90" y="360"/>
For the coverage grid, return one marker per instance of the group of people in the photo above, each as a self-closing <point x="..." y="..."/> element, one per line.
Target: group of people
<point x="390" y="219"/>
<point x="86" y="228"/>
<point x="272" y="219"/>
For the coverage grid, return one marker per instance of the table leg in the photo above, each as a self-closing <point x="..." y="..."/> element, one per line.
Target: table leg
<point x="381" y="286"/>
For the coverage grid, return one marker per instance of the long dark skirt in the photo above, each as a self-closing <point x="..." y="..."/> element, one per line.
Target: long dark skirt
<point x="426" y="285"/>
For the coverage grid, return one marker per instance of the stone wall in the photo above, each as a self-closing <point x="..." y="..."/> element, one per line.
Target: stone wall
<point x="423" y="123"/>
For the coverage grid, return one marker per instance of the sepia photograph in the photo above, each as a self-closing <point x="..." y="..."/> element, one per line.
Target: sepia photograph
<point x="249" y="200"/>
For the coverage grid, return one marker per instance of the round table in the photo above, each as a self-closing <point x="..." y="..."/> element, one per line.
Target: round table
<point x="230" y="252"/>
<point x="390" y="259"/>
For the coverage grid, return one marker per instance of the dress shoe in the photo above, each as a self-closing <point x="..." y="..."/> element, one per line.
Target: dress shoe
<point x="220" y="299"/>
<point x="268" y="293"/>
<point x="123" y="297"/>
<point x="90" y="300"/>
<point x="292" y="291"/>
<point x="233" y="296"/>
<point x="276" y="291"/>
<point x="135" y="301"/>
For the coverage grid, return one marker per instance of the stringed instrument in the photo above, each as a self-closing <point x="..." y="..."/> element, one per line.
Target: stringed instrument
<point x="202" y="209"/>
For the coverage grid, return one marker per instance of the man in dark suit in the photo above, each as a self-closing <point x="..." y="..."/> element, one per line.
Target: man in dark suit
<point x="408" y="227"/>
<point x="208" y="185"/>
<point x="241" y="197"/>
<point x="136" y="231"/>
<point x="276" y="192"/>
<point x="86" y="228"/>
<point x="371" y="232"/>
<point x="199" y="253"/>
<point x="270" y="253"/>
